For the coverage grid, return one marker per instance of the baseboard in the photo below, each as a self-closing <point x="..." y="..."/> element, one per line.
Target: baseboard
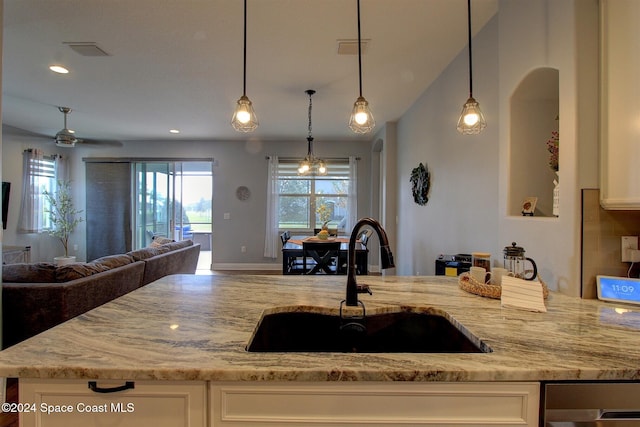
<point x="240" y="266"/>
<point x="246" y="266"/>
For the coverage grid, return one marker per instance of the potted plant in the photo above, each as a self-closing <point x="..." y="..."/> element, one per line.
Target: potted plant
<point x="64" y="218"/>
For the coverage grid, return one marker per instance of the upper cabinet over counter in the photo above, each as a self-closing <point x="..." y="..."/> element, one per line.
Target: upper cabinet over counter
<point x="619" y="104"/>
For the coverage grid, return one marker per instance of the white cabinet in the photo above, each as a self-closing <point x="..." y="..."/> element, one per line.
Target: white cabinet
<point x="373" y="404"/>
<point x="70" y="403"/>
<point x="620" y="105"/>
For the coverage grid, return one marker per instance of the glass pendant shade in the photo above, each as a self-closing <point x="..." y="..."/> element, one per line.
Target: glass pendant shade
<point x="361" y="120"/>
<point x="471" y="121"/>
<point x="244" y="118"/>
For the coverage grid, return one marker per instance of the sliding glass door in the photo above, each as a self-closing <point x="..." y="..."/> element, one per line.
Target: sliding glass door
<point x="173" y="200"/>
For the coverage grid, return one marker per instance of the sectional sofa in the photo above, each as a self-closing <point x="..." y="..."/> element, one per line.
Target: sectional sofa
<point x="36" y="297"/>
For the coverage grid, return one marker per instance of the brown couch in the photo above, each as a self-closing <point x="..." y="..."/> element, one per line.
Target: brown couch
<point x="36" y="297"/>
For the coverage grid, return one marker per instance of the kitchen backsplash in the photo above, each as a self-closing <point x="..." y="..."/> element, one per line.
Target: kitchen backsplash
<point x="601" y="232"/>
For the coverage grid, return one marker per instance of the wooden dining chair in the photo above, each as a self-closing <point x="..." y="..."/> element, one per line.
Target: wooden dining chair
<point x="294" y="264"/>
<point x="320" y="257"/>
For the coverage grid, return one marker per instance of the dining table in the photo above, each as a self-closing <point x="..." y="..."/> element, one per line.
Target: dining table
<point x="293" y="250"/>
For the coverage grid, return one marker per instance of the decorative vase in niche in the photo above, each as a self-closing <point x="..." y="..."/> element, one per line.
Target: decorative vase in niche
<point x="556" y="195"/>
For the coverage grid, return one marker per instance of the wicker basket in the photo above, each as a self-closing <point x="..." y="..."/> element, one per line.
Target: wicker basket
<point x="471" y="285"/>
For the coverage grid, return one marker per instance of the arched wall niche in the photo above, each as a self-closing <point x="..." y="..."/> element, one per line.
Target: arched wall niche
<point x="534" y="116"/>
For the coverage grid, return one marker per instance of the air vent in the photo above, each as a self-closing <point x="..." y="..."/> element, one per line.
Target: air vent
<point x="87" y="48"/>
<point x="350" y="46"/>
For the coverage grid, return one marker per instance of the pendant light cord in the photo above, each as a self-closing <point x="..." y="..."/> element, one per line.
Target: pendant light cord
<point x="310" y="155"/>
<point x="244" y="71"/>
<point x="310" y="105"/>
<point x="359" y="51"/>
<point x="470" y="59"/>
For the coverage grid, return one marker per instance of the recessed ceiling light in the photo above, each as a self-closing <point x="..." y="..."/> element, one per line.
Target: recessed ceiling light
<point x="174" y="130"/>
<point x="58" y="69"/>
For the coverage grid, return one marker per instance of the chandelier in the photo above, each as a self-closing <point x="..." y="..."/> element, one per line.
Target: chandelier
<point x="311" y="165"/>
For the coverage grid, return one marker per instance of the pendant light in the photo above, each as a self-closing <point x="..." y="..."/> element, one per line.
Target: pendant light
<point x="471" y="119"/>
<point x="361" y="120"/>
<point x="311" y="165"/>
<point x="244" y="118"/>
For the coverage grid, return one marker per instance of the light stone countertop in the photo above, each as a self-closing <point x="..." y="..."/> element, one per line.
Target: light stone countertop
<point x="188" y="327"/>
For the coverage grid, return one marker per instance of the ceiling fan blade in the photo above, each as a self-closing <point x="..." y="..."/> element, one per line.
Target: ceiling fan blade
<point x="100" y="142"/>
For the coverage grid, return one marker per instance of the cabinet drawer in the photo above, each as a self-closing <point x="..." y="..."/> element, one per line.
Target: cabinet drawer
<point x="374" y="404"/>
<point x="71" y="403"/>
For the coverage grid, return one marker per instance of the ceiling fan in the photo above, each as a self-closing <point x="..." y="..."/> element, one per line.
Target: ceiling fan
<point x="66" y="137"/>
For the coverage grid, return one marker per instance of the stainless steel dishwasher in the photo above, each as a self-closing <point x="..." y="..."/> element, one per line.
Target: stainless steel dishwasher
<point x="590" y="404"/>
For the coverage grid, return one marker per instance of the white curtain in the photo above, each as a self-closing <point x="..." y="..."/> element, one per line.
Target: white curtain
<point x="352" y="200"/>
<point x="62" y="168"/>
<point x="31" y="210"/>
<point x="36" y="169"/>
<point x="271" y="241"/>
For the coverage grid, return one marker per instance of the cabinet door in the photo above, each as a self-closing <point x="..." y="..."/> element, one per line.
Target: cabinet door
<point x="620" y="105"/>
<point x="70" y="403"/>
<point x="262" y="404"/>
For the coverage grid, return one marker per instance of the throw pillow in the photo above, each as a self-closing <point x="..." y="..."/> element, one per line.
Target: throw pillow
<point x="113" y="261"/>
<point x="179" y="245"/>
<point x="159" y="241"/>
<point x="145" y="253"/>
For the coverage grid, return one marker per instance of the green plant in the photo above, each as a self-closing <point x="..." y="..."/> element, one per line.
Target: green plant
<point x="63" y="216"/>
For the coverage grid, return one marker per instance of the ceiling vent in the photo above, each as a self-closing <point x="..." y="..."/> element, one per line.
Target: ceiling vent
<point x="87" y="48"/>
<point x="350" y="46"/>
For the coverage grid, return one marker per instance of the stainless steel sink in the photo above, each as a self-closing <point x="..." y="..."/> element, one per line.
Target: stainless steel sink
<point x="404" y="331"/>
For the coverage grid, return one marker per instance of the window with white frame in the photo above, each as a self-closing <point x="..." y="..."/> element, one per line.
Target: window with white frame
<point x="306" y="202"/>
<point x="39" y="175"/>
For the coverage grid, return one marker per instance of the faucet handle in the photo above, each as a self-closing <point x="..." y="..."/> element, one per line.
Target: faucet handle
<point x="364" y="289"/>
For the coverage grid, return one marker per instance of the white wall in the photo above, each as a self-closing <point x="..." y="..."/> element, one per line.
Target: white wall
<point x="236" y="163"/>
<point x="543" y="33"/>
<point x="462" y="213"/>
<point x="467" y="210"/>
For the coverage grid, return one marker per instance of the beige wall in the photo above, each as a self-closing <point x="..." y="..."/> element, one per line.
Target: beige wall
<point x="601" y="247"/>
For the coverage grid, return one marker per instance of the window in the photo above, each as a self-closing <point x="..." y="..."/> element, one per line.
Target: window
<point x="307" y="202"/>
<point x="40" y="174"/>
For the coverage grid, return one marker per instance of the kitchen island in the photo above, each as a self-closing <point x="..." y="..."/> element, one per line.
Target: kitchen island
<point x="194" y="329"/>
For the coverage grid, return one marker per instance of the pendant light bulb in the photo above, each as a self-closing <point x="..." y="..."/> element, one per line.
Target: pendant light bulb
<point x="322" y="168"/>
<point x="304" y="167"/>
<point x="471" y="121"/>
<point x="244" y="118"/>
<point x="361" y="120"/>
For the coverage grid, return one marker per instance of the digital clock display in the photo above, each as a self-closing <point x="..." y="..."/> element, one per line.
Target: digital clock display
<point x="619" y="289"/>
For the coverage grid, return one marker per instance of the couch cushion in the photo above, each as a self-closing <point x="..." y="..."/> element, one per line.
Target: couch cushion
<point x="113" y="261"/>
<point x="78" y="270"/>
<point x="178" y="245"/>
<point x="145" y="253"/>
<point x="42" y="272"/>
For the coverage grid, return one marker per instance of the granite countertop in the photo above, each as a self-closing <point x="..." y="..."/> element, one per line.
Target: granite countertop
<point x="188" y="327"/>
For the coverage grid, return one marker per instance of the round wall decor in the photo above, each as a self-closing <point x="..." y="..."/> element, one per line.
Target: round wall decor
<point x="420" y="183"/>
<point x="242" y="193"/>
